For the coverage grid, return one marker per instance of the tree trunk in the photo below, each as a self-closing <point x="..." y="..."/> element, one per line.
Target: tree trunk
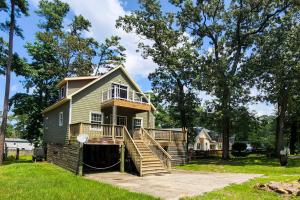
<point x="225" y="124"/>
<point x="293" y="138"/>
<point x="7" y="82"/>
<point x="281" y="114"/>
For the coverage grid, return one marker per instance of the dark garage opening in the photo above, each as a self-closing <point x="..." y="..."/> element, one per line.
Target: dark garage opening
<point x="100" y="156"/>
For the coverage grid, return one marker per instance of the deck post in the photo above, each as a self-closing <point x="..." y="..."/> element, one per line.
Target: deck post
<point x="122" y="158"/>
<point x="80" y="160"/>
<point x="114" y="121"/>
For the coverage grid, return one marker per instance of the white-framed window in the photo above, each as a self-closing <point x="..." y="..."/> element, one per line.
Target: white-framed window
<point x="137" y="122"/>
<point x="61" y="119"/>
<point x="96" y="119"/>
<point x="119" y="91"/>
<point x="62" y="92"/>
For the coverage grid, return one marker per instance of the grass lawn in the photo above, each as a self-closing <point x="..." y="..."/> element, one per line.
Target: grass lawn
<point x="269" y="167"/>
<point x="27" y="180"/>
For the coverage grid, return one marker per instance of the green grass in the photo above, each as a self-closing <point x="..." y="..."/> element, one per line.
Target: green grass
<point x="269" y="167"/>
<point x="26" y="180"/>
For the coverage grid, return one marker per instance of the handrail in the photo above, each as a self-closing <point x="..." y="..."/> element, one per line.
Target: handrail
<point x="168" y="159"/>
<point x="126" y="131"/>
<point x="165" y="134"/>
<point x="134" y="152"/>
<point x="157" y="144"/>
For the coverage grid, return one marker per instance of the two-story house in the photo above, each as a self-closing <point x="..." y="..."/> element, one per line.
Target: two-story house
<point x="118" y="119"/>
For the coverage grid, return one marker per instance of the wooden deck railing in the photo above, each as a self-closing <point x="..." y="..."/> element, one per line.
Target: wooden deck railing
<point x="156" y="148"/>
<point x="167" y="135"/>
<point x="134" y="152"/>
<point x="96" y="131"/>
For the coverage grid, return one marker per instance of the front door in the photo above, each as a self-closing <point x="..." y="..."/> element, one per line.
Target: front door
<point x="122" y="120"/>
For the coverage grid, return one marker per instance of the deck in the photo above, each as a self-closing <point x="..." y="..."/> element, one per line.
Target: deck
<point x="114" y="134"/>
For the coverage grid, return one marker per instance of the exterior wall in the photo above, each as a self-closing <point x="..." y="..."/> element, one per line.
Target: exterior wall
<point x="65" y="156"/>
<point x="177" y="151"/>
<point x="90" y="99"/>
<point x="20" y="145"/>
<point x="53" y="133"/>
<point x="147" y="123"/>
<point x="75" y="85"/>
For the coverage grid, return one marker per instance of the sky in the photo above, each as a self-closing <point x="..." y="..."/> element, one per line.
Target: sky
<point x="102" y="15"/>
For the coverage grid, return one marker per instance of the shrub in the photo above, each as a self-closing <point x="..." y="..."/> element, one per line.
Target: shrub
<point x="239" y="149"/>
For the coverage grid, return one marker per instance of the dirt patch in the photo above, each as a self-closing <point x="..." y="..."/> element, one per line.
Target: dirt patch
<point x="281" y="187"/>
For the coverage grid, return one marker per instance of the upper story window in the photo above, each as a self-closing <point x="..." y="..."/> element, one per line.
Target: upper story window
<point x="119" y="91"/>
<point x="61" y="119"/>
<point x="62" y="92"/>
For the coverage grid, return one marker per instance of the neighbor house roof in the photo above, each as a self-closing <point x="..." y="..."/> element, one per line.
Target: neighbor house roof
<point x="79" y="78"/>
<point x="96" y="79"/>
<point x="16" y="140"/>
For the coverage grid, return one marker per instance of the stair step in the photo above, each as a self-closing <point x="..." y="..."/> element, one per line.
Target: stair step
<point x="147" y="169"/>
<point x="153" y="165"/>
<point x="155" y="172"/>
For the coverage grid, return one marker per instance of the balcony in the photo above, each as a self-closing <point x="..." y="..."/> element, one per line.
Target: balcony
<point x="125" y="98"/>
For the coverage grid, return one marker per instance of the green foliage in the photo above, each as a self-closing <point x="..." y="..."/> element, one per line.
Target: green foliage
<point x="56" y="53"/>
<point x="52" y="182"/>
<point x="110" y="54"/>
<point x="175" y="56"/>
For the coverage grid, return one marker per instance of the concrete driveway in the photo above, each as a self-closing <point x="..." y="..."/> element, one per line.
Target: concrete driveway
<point x="180" y="183"/>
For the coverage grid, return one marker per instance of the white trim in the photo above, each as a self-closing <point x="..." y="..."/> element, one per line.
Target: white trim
<point x="61" y="119"/>
<point x="108" y="73"/>
<point x="142" y="120"/>
<point x="67" y="88"/>
<point x="101" y="122"/>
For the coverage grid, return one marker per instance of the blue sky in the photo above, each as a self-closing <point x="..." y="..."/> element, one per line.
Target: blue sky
<point x="102" y="14"/>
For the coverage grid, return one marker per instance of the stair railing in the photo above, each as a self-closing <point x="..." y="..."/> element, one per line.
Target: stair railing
<point x="133" y="150"/>
<point x="156" y="148"/>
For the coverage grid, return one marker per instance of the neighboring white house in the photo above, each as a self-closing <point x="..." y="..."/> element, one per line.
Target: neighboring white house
<point x="14" y="143"/>
<point x="204" y="142"/>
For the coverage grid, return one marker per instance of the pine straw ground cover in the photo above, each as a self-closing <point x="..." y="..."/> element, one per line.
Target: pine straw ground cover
<point x="26" y="180"/>
<point x="269" y="167"/>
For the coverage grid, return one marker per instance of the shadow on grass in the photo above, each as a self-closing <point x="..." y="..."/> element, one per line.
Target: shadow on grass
<point x="247" y="161"/>
<point x="12" y="160"/>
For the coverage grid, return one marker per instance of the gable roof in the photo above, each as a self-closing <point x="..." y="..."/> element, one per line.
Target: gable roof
<point x="65" y="80"/>
<point x="57" y="104"/>
<point x="108" y="73"/>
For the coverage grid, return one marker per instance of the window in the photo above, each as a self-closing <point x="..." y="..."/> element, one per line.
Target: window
<point x="61" y="119"/>
<point x="96" y="120"/>
<point x="119" y="91"/>
<point x="62" y="92"/>
<point x="137" y="122"/>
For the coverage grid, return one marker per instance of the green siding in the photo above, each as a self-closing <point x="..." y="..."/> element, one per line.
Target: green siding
<point x="75" y="85"/>
<point x="53" y="133"/>
<point x="90" y="98"/>
<point x="144" y="115"/>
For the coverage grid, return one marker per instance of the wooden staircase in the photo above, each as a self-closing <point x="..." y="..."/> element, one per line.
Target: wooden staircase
<point x="147" y="155"/>
<point x="151" y="163"/>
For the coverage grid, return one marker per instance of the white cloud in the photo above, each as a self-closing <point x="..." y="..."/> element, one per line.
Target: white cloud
<point x="103" y="14"/>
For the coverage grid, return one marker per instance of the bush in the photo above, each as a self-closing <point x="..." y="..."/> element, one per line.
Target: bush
<point x="239" y="149"/>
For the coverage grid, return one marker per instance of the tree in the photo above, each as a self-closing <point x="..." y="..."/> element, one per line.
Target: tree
<point x="171" y="50"/>
<point x="230" y="31"/>
<point x="111" y="53"/>
<point x="58" y="51"/>
<point x="277" y="60"/>
<point x="16" y="8"/>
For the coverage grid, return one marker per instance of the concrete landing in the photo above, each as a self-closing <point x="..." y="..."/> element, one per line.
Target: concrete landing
<point x="180" y="183"/>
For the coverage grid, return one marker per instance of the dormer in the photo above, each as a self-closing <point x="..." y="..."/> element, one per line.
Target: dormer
<point x="70" y="85"/>
<point x="62" y="91"/>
